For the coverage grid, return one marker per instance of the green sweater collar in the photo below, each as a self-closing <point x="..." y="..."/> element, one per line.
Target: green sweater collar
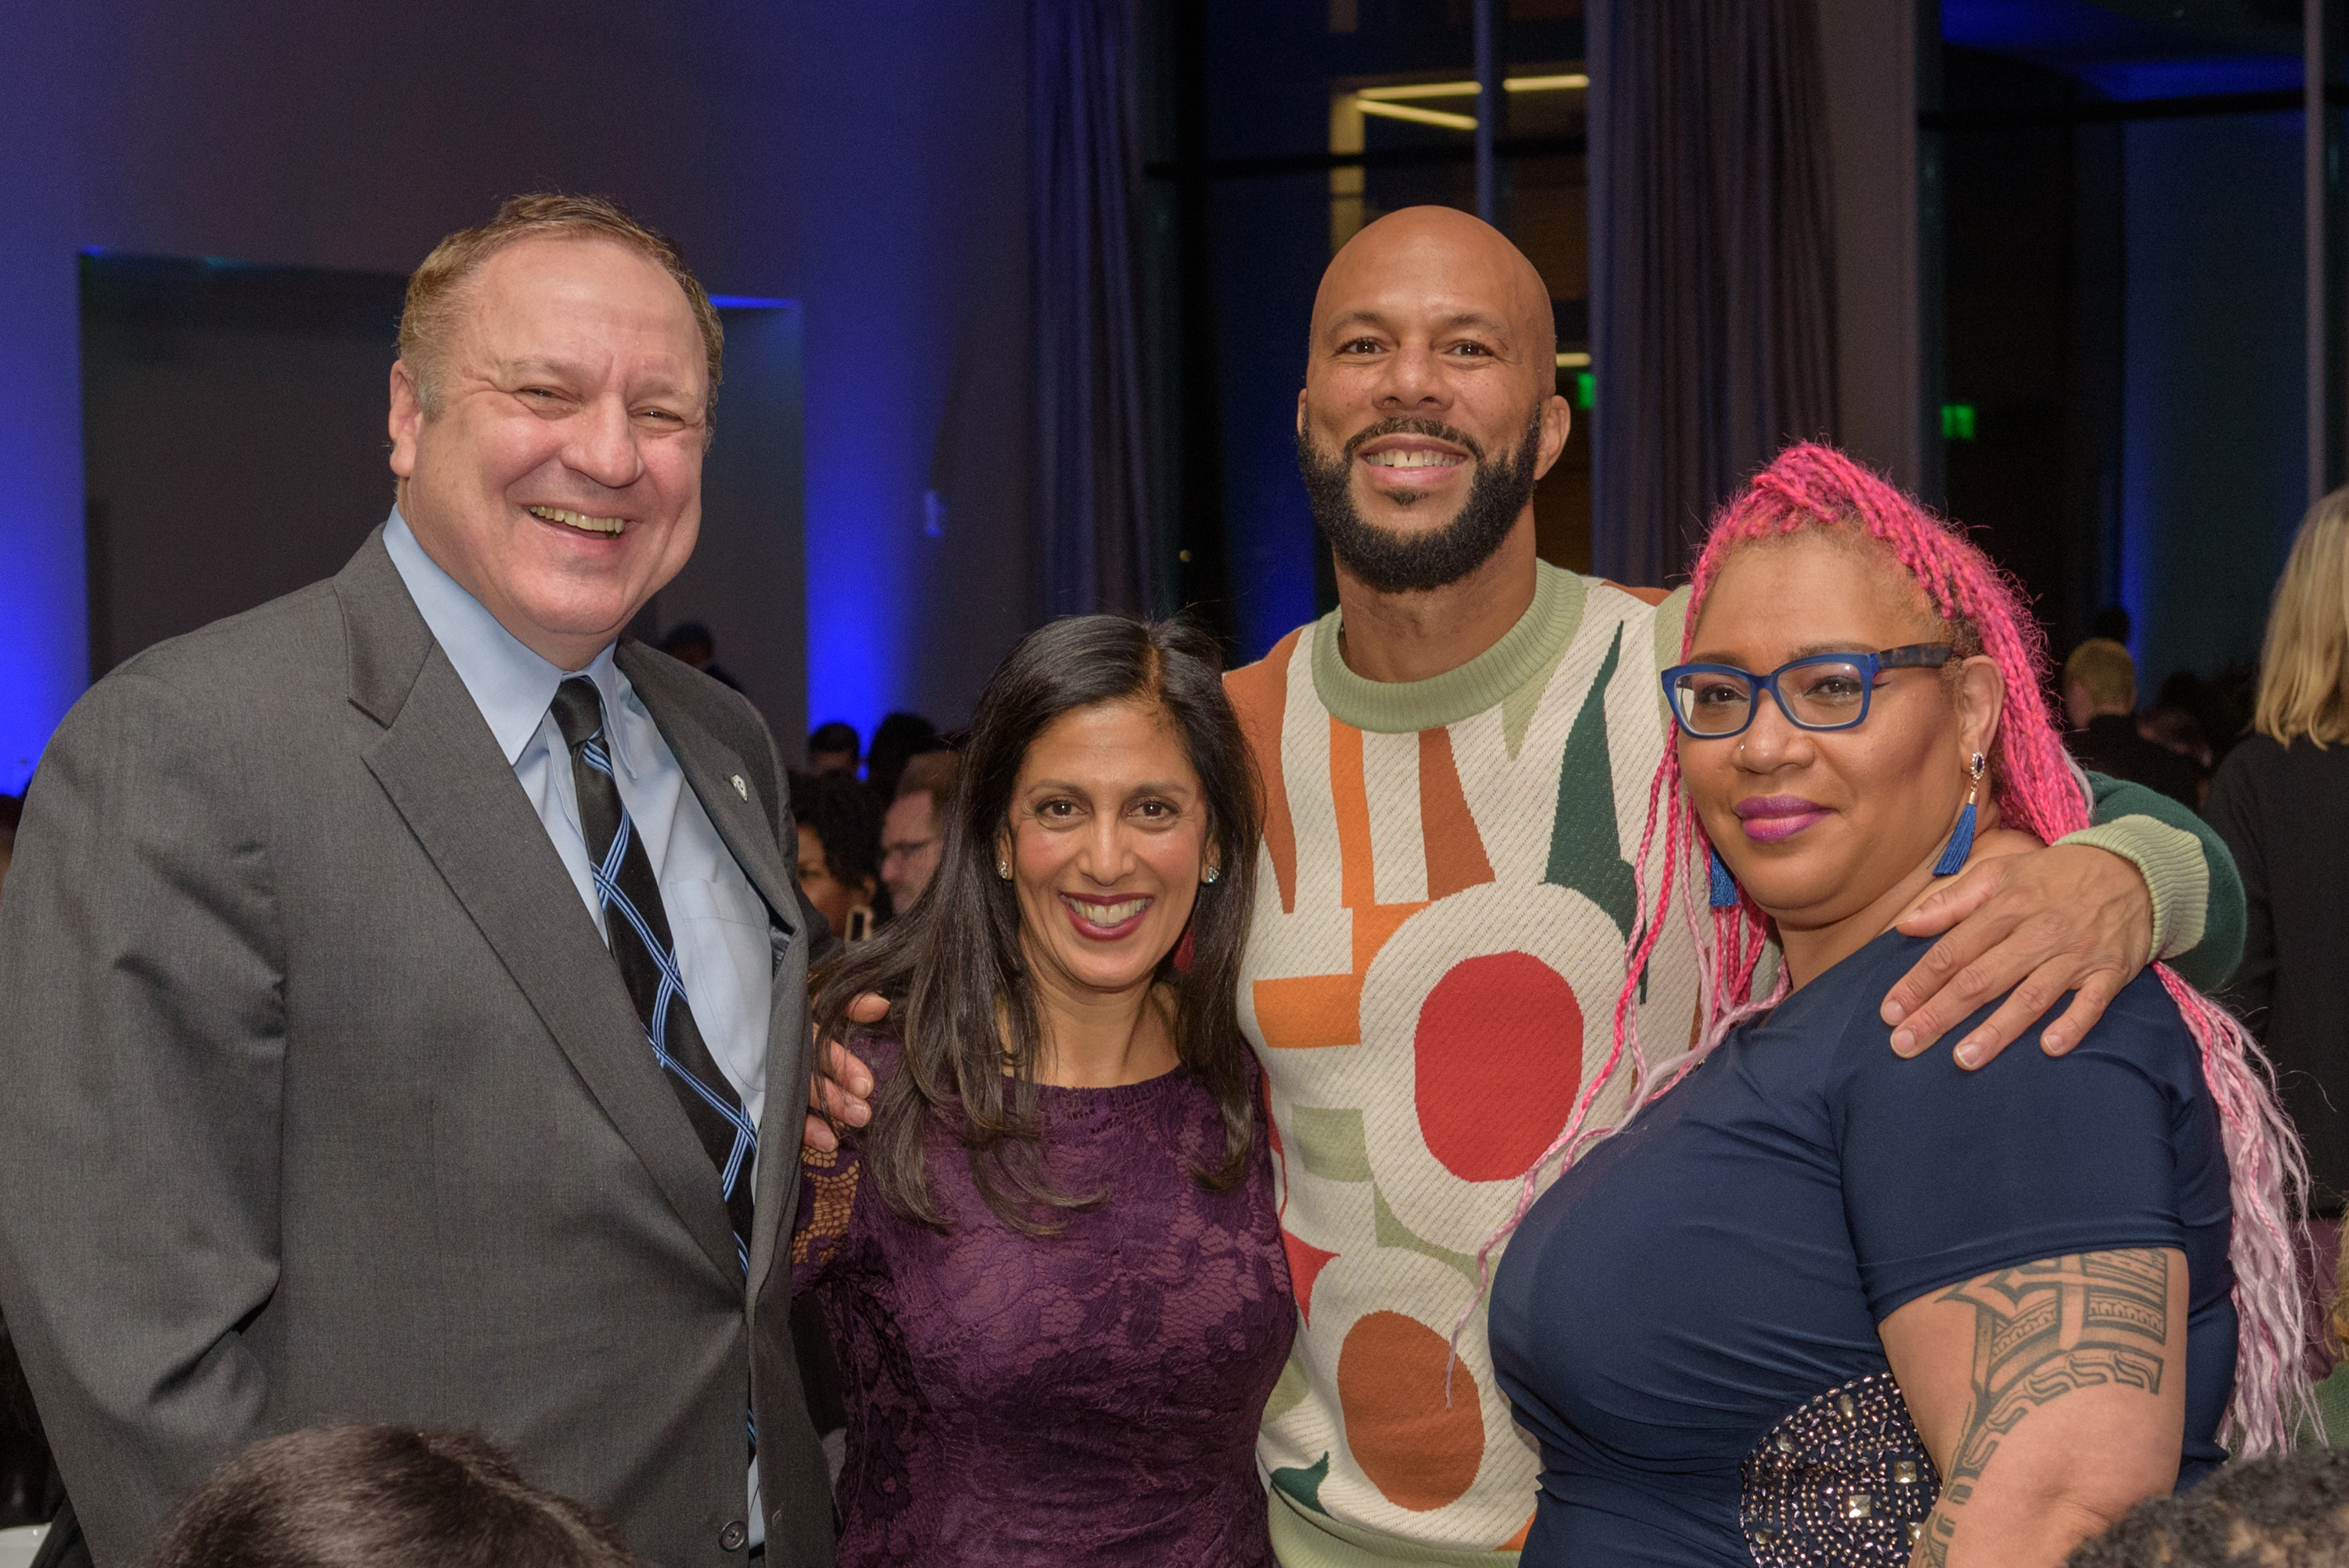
<point x="1400" y="708"/>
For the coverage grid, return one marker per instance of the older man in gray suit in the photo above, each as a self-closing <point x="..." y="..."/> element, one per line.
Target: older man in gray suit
<point x="402" y="986"/>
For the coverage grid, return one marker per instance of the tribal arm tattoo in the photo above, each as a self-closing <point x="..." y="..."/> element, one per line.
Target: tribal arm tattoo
<point x="2083" y="1320"/>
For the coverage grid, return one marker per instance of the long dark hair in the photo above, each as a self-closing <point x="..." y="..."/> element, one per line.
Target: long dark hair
<point x="948" y="965"/>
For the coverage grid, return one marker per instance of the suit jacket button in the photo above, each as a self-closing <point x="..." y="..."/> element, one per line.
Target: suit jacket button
<point x="732" y="1536"/>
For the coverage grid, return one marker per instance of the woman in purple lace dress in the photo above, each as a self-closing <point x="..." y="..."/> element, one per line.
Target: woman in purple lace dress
<point x="1052" y="1266"/>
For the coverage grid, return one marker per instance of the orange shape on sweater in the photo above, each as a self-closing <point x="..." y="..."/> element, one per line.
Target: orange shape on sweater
<point x="1455" y="850"/>
<point x="1418" y="1452"/>
<point x="1307" y="1012"/>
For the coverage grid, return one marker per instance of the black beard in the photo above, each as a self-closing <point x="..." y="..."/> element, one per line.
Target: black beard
<point x="1403" y="564"/>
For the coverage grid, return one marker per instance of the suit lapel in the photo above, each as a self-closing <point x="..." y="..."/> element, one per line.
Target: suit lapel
<point x="441" y="768"/>
<point x="721" y="782"/>
<point x="782" y="1120"/>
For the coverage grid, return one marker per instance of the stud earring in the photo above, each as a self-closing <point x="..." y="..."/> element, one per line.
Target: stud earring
<point x="1212" y="874"/>
<point x="1003" y="870"/>
<point x="1961" y="841"/>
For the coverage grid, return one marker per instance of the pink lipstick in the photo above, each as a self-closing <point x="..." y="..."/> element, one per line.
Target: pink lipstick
<point x="1767" y="819"/>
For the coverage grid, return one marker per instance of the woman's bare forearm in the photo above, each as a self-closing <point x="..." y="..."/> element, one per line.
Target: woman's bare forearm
<point x="2068" y="1406"/>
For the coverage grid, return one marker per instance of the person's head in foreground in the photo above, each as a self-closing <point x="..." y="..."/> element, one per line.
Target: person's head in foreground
<point x="550" y="406"/>
<point x="1107" y="811"/>
<point x="1860" y="711"/>
<point x="913" y="830"/>
<point x="2286" y="1511"/>
<point x="2304" y="664"/>
<point x="1430" y="406"/>
<point x="382" y="1497"/>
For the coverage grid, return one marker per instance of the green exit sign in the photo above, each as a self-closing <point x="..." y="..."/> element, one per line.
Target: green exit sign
<point x="1957" y="421"/>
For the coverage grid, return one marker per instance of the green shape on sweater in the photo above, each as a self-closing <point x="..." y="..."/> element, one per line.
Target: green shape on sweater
<point x="1290" y="1390"/>
<point x="1329" y="1143"/>
<point x="1585" y="852"/>
<point x="1305" y="1485"/>
<point x="1392" y="1232"/>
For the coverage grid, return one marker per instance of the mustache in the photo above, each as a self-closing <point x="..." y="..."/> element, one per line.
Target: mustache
<point x="1434" y="429"/>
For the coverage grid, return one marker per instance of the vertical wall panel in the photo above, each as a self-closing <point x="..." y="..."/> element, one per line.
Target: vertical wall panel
<point x="2214" y="431"/>
<point x="1869" y="53"/>
<point x="44" y="636"/>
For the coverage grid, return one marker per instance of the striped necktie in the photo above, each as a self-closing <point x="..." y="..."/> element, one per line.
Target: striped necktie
<point x="637" y="927"/>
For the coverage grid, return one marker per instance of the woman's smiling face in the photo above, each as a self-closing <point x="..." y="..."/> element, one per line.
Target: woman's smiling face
<point x="1107" y="842"/>
<point x="1818" y="826"/>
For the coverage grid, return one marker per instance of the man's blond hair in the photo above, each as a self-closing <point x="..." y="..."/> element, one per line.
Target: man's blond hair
<point x="436" y="292"/>
<point x="2105" y="667"/>
<point x="2304" y="664"/>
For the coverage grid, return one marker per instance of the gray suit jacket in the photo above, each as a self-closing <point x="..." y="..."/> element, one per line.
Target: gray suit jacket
<point x="321" y="1099"/>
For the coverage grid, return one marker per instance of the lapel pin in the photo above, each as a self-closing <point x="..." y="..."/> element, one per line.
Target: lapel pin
<point x="740" y="787"/>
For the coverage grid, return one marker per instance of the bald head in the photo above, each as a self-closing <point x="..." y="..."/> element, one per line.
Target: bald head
<point x="1430" y="407"/>
<point x="1438" y="260"/>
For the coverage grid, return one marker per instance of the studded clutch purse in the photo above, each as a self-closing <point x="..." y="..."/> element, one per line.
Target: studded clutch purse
<point x="1844" y="1480"/>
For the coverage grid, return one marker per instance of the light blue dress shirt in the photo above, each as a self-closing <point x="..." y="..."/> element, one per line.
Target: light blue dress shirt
<point x="719" y="924"/>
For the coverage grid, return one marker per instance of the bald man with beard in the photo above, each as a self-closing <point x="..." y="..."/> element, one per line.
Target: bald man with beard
<point x="1457" y="762"/>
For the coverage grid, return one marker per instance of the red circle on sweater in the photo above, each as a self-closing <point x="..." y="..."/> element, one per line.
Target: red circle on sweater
<point x="1499" y="1054"/>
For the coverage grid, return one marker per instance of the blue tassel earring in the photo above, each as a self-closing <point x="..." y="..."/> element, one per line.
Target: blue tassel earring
<point x="1961" y="843"/>
<point x="1724" y="886"/>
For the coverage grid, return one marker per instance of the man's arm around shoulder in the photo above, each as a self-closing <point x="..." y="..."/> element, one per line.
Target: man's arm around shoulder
<point x="2197" y="891"/>
<point x="142" y="1039"/>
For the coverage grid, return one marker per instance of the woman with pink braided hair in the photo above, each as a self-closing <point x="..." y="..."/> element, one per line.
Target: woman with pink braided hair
<point x="1802" y="1306"/>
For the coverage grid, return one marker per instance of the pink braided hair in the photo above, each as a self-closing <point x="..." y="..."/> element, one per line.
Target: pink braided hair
<point x="1810" y="486"/>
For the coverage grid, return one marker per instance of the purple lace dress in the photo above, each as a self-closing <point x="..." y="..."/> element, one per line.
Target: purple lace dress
<point x="1089" y="1397"/>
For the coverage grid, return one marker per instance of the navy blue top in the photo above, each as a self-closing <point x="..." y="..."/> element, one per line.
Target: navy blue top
<point x="1727" y="1259"/>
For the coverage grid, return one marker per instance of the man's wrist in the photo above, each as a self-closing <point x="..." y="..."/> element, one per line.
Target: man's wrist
<point x="2177" y="877"/>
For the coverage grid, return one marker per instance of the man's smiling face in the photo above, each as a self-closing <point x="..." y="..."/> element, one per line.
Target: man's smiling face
<point x="558" y="477"/>
<point x="1429" y="407"/>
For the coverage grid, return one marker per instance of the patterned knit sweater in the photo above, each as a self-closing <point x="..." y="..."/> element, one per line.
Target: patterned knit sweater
<point x="1431" y="976"/>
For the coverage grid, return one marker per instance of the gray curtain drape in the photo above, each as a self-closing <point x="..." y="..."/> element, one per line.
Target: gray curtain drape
<point x="1094" y="545"/>
<point x="1712" y="264"/>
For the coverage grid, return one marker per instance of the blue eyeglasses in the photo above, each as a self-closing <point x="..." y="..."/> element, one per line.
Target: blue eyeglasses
<point x="1824" y="691"/>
